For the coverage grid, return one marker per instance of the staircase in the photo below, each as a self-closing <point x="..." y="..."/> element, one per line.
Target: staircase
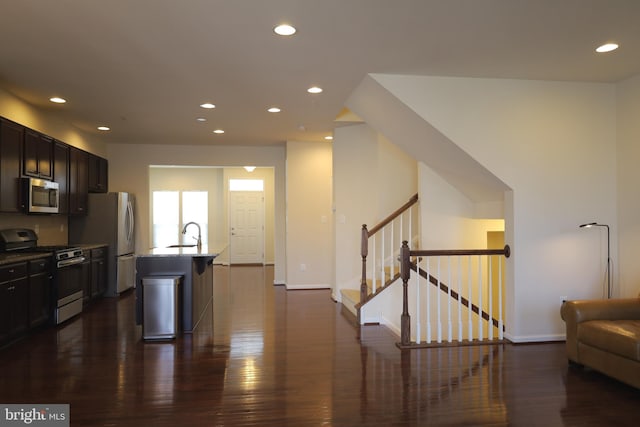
<point x="456" y="296"/>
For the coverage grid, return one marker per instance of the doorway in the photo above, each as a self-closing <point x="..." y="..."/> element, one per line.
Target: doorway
<point x="246" y="221"/>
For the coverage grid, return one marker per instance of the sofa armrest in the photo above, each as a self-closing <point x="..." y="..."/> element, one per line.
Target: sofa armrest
<point x="575" y="312"/>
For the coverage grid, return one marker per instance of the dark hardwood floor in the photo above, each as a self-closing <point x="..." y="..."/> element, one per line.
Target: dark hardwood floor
<point x="267" y="356"/>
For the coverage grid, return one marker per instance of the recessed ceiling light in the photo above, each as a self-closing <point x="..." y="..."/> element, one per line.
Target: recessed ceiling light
<point x="328" y="137"/>
<point x="284" y="30"/>
<point x="274" y="110"/>
<point x="201" y="119"/>
<point x="250" y="168"/>
<point x="218" y="131"/>
<point x="104" y="128"/>
<point x="207" y="105"/>
<point x="57" y="100"/>
<point x="314" y="89"/>
<point x="608" y="47"/>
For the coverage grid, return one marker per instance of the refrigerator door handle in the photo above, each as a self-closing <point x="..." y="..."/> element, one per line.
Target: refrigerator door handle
<point x="131" y="223"/>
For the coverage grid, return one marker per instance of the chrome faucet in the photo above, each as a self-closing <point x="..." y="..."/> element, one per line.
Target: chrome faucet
<point x="199" y="238"/>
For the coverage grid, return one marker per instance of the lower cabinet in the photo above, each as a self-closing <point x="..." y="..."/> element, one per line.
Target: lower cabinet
<point x="40" y="292"/>
<point x="14" y="301"/>
<point x="94" y="274"/>
<point x="98" y="271"/>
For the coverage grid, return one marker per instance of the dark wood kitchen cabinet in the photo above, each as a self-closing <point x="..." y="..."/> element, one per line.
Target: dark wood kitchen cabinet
<point x="37" y="155"/>
<point x="85" y="279"/>
<point x="14" y="301"/>
<point x="98" y="271"/>
<point x="78" y="181"/>
<point x="40" y="292"/>
<point x="61" y="174"/>
<point x="11" y="137"/>
<point x="98" y="174"/>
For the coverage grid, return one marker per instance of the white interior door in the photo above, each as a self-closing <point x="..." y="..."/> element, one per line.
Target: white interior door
<point x="246" y="223"/>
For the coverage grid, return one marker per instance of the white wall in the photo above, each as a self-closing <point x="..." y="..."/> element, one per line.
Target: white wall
<point x="309" y="216"/>
<point x="628" y="108"/>
<point x="372" y="178"/>
<point x="128" y="171"/>
<point x="552" y="144"/>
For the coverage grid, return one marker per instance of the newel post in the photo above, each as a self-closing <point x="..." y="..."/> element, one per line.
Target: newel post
<point x="405" y="271"/>
<point x="364" y="252"/>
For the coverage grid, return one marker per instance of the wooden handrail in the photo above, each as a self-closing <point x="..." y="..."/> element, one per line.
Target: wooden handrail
<point x="405" y="271"/>
<point x="458" y="252"/>
<point x="412" y="201"/>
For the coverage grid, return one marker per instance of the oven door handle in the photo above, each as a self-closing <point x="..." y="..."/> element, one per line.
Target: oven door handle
<point x="71" y="261"/>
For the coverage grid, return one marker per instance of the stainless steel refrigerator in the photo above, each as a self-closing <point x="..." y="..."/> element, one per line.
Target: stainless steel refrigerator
<point x="110" y="219"/>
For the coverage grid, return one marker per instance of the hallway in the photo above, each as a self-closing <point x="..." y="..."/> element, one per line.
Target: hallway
<point x="267" y="356"/>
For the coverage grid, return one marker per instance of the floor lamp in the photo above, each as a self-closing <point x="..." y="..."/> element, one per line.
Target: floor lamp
<point x="595" y="224"/>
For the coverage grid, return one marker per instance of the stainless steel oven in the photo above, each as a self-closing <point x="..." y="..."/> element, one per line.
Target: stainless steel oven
<point x="68" y="279"/>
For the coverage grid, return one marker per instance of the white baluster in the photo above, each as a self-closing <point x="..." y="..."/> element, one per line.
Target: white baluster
<point x="449" y="324"/>
<point x="374" y="268"/>
<point x="480" y="331"/>
<point x="459" y="299"/>
<point x="500" y="331"/>
<point x="382" y="259"/>
<point x="490" y="302"/>
<point x="438" y="304"/>
<point x="418" y="332"/>
<point x="469" y="298"/>
<point x="428" y="288"/>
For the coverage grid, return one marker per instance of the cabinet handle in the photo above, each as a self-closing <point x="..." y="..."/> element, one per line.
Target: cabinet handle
<point x="11" y="270"/>
<point x="11" y="288"/>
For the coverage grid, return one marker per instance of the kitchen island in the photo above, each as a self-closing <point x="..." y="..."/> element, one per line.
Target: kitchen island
<point x="194" y="265"/>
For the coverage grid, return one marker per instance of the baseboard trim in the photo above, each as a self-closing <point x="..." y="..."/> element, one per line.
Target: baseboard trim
<point x="535" y="338"/>
<point x="305" y="287"/>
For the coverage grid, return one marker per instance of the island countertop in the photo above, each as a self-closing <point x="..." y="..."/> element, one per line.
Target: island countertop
<point x="187" y="251"/>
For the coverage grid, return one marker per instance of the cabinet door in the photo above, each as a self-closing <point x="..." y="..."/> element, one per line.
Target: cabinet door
<point x="98" y="174"/>
<point x="30" y="154"/>
<point x="40" y="292"/>
<point x="61" y="174"/>
<point x="85" y="278"/>
<point x="45" y="157"/>
<point x="14" y="304"/>
<point x="38" y="154"/>
<point x="11" y="137"/>
<point x="78" y="177"/>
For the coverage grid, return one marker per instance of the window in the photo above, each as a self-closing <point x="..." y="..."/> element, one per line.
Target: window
<point x="173" y="209"/>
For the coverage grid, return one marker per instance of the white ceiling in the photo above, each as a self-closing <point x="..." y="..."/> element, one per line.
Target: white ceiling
<point x="143" y="67"/>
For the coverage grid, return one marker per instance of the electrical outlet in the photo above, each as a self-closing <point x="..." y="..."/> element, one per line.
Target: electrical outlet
<point x="303" y="267"/>
<point x="37" y="229"/>
<point x="564" y="299"/>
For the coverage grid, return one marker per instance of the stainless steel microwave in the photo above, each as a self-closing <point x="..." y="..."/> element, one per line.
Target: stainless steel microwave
<point x="41" y="196"/>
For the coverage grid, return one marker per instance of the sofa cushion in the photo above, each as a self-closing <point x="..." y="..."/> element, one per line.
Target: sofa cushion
<point x="621" y="337"/>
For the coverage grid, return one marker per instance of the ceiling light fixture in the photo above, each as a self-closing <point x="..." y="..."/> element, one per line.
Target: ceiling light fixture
<point x="207" y="105"/>
<point x="57" y="100"/>
<point x="104" y="128"/>
<point x="314" y="89"/>
<point x="218" y="131"/>
<point x="608" y="47"/>
<point x="328" y="137"/>
<point x="274" y="110"/>
<point x="284" y="30"/>
<point x="201" y="119"/>
<point x="250" y="168"/>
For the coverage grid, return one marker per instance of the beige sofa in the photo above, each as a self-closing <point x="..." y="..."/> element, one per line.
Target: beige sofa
<point x="605" y="335"/>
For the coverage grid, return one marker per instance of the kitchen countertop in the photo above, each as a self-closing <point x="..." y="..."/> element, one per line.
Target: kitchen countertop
<point x="10" y="258"/>
<point x="193" y="252"/>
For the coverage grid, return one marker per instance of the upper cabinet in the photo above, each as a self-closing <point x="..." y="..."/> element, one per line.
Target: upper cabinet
<point x="11" y="137"/>
<point x="98" y="174"/>
<point x="25" y="153"/>
<point x="37" y="155"/>
<point x="78" y="181"/>
<point x="61" y="174"/>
